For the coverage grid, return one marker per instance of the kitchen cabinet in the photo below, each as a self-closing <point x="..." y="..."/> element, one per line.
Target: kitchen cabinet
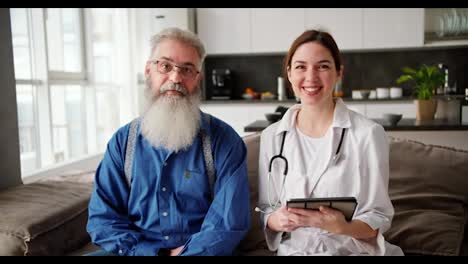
<point x="264" y="30"/>
<point x="240" y="115"/>
<point x="172" y="17"/>
<point x="274" y="29"/>
<point x="225" y="30"/>
<point x="393" y="27"/>
<point x="150" y="21"/>
<point x="376" y="110"/>
<point x="357" y="107"/>
<point x="465" y="114"/>
<point x="445" y="26"/>
<point x="345" y="25"/>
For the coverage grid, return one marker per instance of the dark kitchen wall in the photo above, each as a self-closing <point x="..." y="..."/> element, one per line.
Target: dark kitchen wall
<point x="258" y="72"/>
<point x="363" y="69"/>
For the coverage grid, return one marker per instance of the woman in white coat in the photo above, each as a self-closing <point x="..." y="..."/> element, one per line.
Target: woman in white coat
<point x="319" y="167"/>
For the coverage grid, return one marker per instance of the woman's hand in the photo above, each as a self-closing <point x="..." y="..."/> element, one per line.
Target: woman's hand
<point x="279" y="221"/>
<point x="331" y="220"/>
<point x="325" y="218"/>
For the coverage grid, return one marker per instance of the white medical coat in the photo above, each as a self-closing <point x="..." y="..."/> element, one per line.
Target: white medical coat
<point x="362" y="172"/>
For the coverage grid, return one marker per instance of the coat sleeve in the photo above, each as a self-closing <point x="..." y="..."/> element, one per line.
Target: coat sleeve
<point x="228" y="218"/>
<point x="108" y="222"/>
<point x="375" y="207"/>
<point x="273" y="238"/>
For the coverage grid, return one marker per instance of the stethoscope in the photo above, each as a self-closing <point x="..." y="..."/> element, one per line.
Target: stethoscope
<point x="275" y="205"/>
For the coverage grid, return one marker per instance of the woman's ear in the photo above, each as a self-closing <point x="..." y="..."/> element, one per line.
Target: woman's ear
<point x="340" y="74"/>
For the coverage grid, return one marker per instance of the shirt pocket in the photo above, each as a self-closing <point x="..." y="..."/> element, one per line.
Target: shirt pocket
<point x="338" y="181"/>
<point x="193" y="188"/>
<point x="296" y="185"/>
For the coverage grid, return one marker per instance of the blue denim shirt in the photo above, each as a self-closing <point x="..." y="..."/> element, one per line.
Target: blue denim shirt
<point x="169" y="202"/>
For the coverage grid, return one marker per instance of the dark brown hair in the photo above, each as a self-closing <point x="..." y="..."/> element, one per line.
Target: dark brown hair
<point x="321" y="37"/>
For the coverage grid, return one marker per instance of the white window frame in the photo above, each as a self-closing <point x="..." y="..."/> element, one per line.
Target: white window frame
<point x="43" y="79"/>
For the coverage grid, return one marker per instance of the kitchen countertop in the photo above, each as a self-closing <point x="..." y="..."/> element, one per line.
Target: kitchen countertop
<point x="406" y="124"/>
<point x="345" y="99"/>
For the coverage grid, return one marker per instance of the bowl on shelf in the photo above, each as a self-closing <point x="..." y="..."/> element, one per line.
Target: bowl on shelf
<point x="365" y="94"/>
<point x="392" y="119"/>
<point x="248" y="96"/>
<point x="273" y="117"/>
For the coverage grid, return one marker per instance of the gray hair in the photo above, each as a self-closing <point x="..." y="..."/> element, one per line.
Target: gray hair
<point x="181" y="35"/>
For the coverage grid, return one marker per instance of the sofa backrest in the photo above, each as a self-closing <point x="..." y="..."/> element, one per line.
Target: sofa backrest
<point x="255" y="237"/>
<point x="429" y="191"/>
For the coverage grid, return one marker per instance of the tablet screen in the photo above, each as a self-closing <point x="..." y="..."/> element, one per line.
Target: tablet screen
<point x="346" y="205"/>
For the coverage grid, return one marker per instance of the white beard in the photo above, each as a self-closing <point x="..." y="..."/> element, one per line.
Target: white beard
<point x="170" y="122"/>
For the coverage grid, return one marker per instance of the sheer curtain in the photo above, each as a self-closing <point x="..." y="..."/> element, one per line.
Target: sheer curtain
<point x="111" y="70"/>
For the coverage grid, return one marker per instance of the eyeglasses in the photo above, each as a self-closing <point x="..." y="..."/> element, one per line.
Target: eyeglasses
<point x="165" y="67"/>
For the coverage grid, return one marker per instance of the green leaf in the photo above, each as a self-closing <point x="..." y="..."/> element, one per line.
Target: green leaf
<point x="409" y="70"/>
<point x="404" y="78"/>
<point x="426" y="77"/>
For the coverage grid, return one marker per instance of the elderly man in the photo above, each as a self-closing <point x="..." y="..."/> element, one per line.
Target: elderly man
<point x="174" y="181"/>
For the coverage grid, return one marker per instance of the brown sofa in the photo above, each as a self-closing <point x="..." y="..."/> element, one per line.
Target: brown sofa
<point x="44" y="218"/>
<point x="428" y="187"/>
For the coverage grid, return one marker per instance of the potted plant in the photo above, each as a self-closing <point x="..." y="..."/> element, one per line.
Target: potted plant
<point x="427" y="80"/>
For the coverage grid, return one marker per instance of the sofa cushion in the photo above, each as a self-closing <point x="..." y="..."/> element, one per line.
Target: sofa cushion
<point x="429" y="190"/>
<point x="44" y="218"/>
<point x="255" y="237"/>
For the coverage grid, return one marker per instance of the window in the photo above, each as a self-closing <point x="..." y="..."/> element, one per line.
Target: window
<point x="25" y="88"/>
<point x="64" y="40"/>
<point x="70" y="68"/>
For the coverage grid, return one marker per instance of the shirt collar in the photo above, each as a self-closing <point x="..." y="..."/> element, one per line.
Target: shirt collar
<point x="203" y="123"/>
<point x="341" y="117"/>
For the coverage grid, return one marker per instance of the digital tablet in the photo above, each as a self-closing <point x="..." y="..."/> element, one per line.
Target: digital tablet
<point x="346" y="205"/>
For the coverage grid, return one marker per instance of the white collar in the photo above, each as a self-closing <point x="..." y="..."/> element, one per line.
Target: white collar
<point x="341" y="117"/>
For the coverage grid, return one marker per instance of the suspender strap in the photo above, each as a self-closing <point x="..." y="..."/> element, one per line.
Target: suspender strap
<point x="206" y="144"/>
<point x="129" y="152"/>
<point x="208" y="155"/>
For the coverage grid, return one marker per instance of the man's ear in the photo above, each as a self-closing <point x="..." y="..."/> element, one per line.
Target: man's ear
<point x="200" y="76"/>
<point x="147" y="69"/>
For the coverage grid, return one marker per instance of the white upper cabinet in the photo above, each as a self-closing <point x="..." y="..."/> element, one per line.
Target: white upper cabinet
<point x="345" y="25"/>
<point x="150" y="21"/>
<point x="274" y="29"/>
<point x="224" y="30"/>
<point x="171" y="17"/>
<point x="393" y="27"/>
<point x="264" y="30"/>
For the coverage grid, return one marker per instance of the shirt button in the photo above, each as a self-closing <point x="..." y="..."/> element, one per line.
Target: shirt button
<point x="165" y="163"/>
<point x="166" y="237"/>
<point x="120" y="251"/>
<point x="165" y="214"/>
<point x="163" y="189"/>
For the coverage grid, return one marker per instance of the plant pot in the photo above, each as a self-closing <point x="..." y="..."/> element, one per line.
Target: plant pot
<point x="425" y="109"/>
